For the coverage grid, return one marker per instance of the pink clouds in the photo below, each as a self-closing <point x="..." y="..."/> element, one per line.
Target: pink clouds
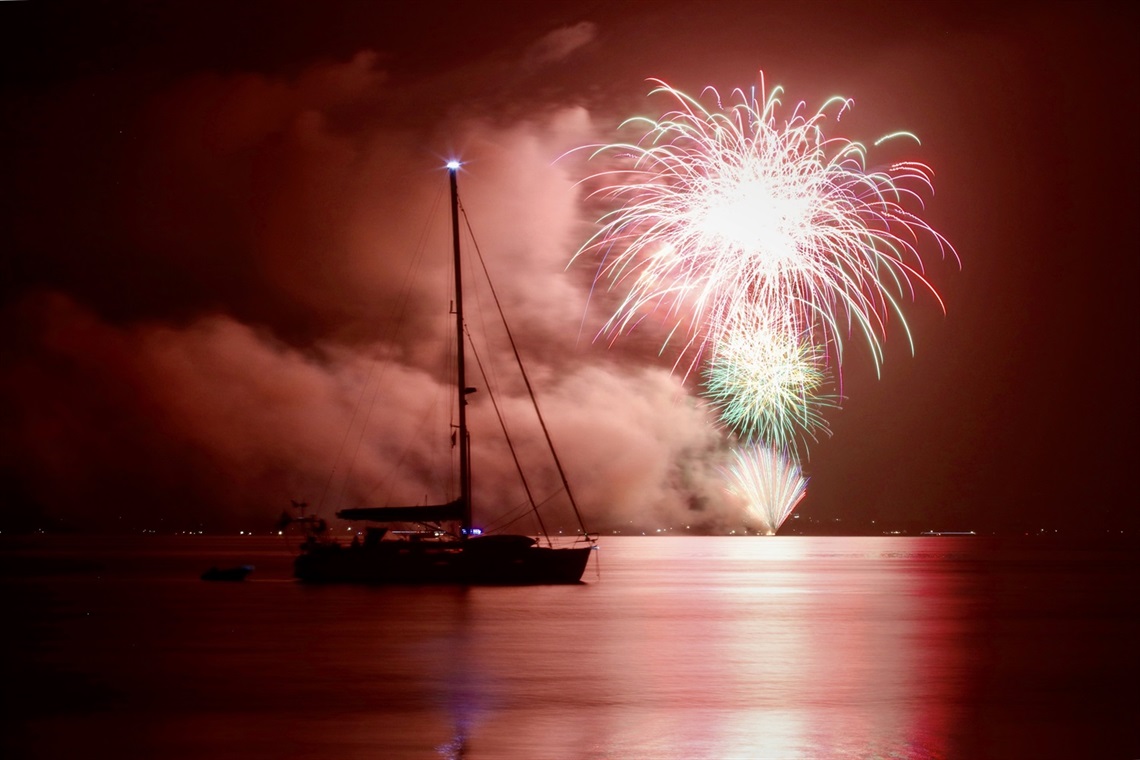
<point x="299" y="213"/>
<point x="235" y="423"/>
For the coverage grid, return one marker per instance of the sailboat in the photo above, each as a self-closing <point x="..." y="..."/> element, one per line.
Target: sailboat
<point x="446" y="547"/>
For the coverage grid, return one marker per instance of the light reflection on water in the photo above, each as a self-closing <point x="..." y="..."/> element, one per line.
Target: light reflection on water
<point x="682" y="648"/>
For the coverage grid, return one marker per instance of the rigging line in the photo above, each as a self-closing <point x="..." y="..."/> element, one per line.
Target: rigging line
<point x="510" y="443"/>
<point x="510" y="517"/>
<point x="540" y="503"/>
<point x="500" y="525"/>
<point x="344" y="441"/>
<point x="525" y="377"/>
<point x="398" y="313"/>
<point x="360" y="437"/>
<point x="504" y="522"/>
<point x="490" y="370"/>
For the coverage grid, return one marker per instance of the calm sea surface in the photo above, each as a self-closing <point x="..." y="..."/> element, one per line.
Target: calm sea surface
<point x="673" y="649"/>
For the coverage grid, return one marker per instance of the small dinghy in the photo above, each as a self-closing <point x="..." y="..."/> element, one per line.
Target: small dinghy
<point x="227" y="573"/>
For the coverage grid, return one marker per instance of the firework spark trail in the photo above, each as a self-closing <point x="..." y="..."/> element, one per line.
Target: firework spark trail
<point x="768" y="383"/>
<point x="763" y="245"/>
<point x="769" y="482"/>
<point x="726" y="208"/>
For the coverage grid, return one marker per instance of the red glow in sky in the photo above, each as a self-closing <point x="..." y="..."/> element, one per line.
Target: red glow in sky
<point x="206" y="217"/>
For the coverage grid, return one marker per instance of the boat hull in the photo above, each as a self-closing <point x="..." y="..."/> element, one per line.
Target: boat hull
<point x="471" y="562"/>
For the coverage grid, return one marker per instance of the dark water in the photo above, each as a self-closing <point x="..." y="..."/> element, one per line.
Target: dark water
<point x="679" y="649"/>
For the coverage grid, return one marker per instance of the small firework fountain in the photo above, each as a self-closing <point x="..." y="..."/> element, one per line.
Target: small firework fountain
<point x="770" y="484"/>
<point x="762" y="245"/>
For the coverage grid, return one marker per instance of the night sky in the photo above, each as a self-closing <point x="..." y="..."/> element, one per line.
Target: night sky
<point x="208" y="210"/>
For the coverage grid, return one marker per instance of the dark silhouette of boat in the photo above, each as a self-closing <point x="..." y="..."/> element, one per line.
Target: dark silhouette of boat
<point x="238" y="573"/>
<point x="444" y="547"/>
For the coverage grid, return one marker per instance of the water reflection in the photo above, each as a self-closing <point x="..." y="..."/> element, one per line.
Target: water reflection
<point x="749" y="649"/>
<point x="771" y="649"/>
<point x="463" y="695"/>
<point x="684" y="648"/>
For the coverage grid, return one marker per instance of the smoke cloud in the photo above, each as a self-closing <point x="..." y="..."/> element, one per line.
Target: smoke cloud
<point x="269" y="322"/>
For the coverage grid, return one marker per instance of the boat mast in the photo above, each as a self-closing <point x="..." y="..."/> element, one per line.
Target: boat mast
<point x="460" y="370"/>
